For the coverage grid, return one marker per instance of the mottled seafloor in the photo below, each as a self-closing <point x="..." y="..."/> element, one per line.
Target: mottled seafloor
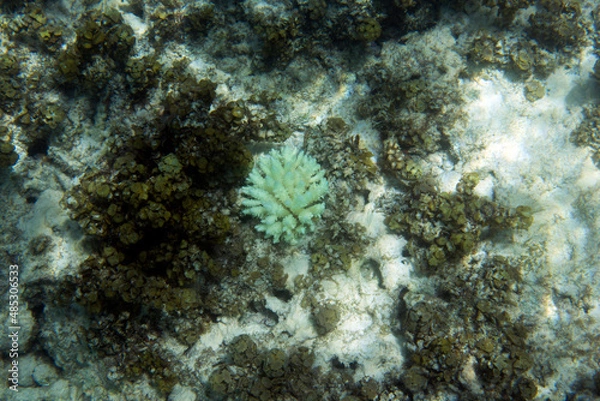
<point x="394" y="99"/>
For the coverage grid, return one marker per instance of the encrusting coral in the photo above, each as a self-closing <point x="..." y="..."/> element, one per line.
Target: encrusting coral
<point x="284" y="190"/>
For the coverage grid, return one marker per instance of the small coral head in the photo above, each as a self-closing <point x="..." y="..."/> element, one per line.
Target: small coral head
<point x="285" y="190"/>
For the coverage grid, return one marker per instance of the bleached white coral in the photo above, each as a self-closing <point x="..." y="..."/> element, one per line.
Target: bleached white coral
<point x="285" y="191"/>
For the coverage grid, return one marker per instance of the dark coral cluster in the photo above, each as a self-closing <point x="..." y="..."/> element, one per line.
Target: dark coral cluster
<point x="8" y="156"/>
<point x="555" y="31"/>
<point x="334" y="250"/>
<point x="9" y="82"/>
<point x="252" y="373"/>
<point x="522" y="57"/>
<point x="133" y="347"/>
<point x="157" y="217"/>
<point x="588" y="132"/>
<point x="160" y="208"/>
<point x="281" y="30"/>
<point x="442" y="227"/>
<point x="102" y="46"/>
<point x="468" y="336"/>
<point x="558" y="24"/>
<point x="34" y="28"/>
<point x="351" y="161"/>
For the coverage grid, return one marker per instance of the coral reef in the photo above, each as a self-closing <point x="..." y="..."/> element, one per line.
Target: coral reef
<point x="146" y="115"/>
